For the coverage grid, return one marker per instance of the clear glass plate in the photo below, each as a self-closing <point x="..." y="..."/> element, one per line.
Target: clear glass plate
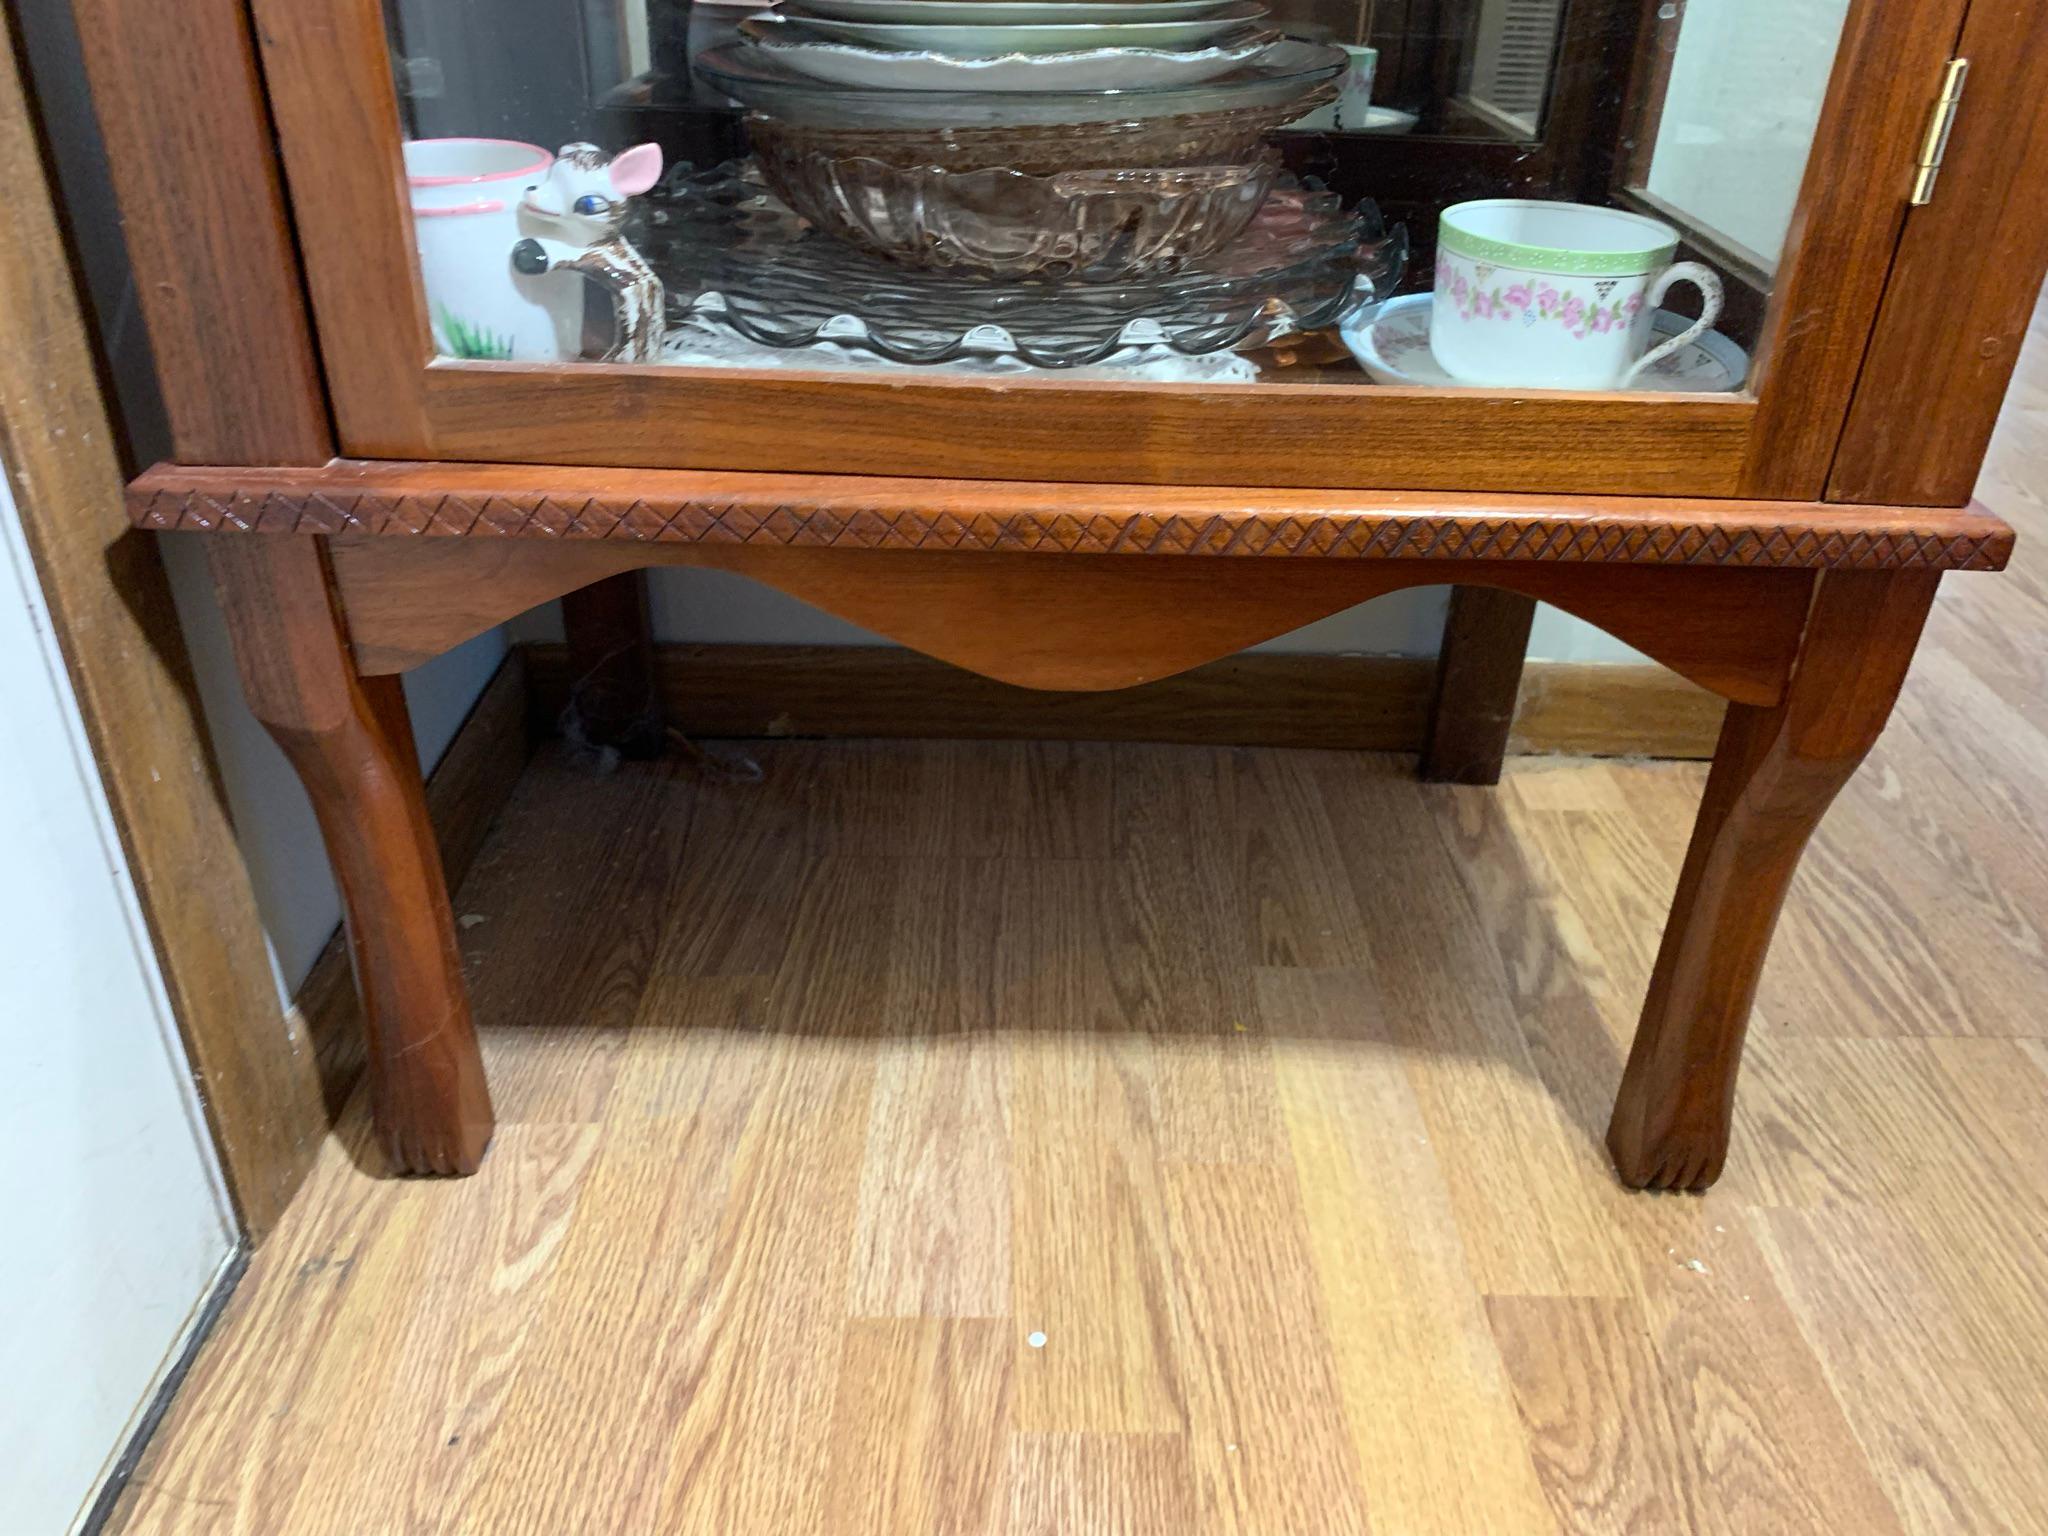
<point x="1289" y="70"/>
<point x="793" y="44"/>
<point x="982" y="12"/>
<point x="727" y="249"/>
<point x="986" y="39"/>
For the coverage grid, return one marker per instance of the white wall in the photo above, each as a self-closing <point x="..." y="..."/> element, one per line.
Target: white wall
<point x="116" y="1223"/>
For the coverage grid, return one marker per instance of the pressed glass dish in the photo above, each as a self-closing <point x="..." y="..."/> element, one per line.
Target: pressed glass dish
<point x="1231" y="136"/>
<point x="727" y="249"/>
<point x="1094" y="225"/>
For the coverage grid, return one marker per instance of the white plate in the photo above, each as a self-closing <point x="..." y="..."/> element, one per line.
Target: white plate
<point x="987" y="40"/>
<point x="1003" y="12"/>
<point x="1093" y="69"/>
<point x="1392" y="345"/>
<point x="1278" y="76"/>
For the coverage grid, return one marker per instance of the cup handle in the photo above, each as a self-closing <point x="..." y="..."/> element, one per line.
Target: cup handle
<point x="1708" y="281"/>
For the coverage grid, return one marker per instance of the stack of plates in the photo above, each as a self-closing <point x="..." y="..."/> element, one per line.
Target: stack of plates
<point x="1098" y="139"/>
<point x="1012" y="45"/>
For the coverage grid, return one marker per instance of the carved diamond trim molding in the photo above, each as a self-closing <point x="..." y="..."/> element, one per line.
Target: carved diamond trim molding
<point x="1357" y="535"/>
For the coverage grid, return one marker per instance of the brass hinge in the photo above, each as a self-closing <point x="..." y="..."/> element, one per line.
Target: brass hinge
<point x="1935" y="144"/>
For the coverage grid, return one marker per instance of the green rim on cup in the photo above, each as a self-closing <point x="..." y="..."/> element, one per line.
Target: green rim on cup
<point x="1508" y="253"/>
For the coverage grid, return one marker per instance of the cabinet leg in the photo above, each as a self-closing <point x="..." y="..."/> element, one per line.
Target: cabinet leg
<point x="611" y="657"/>
<point x="350" y="739"/>
<point x="1775" y="772"/>
<point x="1478" y="679"/>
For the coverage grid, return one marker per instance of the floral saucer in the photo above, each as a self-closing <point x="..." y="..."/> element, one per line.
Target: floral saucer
<point x="1391" y="344"/>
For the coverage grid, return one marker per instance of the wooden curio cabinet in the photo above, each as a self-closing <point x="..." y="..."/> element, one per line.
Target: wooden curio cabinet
<point x="426" y="368"/>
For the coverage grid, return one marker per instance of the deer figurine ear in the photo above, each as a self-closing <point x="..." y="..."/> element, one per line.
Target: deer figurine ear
<point x="637" y="169"/>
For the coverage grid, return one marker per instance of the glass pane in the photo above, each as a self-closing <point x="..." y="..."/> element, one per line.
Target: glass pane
<point x="1741" y="91"/>
<point x="1436" y="193"/>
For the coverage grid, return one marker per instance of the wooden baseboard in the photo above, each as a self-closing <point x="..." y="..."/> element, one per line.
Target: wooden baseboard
<point x="1358" y="703"/>
<point x="465" y="792"/>
<point x="1585" y="709"/>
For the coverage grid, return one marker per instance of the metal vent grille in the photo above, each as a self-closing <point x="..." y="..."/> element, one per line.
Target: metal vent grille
<point x="1511" y="65"/>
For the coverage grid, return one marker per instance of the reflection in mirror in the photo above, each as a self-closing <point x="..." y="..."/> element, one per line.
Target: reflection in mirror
<point x="1517" y="194"/>
<point x="1479" y="69"/>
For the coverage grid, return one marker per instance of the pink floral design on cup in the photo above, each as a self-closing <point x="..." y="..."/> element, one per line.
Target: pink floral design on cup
<point x="1574" y="286"/>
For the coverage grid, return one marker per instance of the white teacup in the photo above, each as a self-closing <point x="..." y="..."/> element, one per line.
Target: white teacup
<point x="1351" y="111"/>
<point x="1542" y="295"/>
<point x="466" y="218"/>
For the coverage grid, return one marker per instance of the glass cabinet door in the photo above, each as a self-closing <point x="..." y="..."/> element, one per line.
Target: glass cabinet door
<point x="1451" y="244"/>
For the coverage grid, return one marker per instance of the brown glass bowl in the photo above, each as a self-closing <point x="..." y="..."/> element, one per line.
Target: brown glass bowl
<point x="1231" y="137"/>
<point x="1095" y="225"/>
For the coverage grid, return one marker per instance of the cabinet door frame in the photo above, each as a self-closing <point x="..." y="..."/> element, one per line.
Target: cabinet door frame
<point x="1943" y="351"/>
<point x="328" y="74"/>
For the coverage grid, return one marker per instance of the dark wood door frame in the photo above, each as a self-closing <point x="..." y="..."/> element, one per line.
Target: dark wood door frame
<point x="110" y="606"/>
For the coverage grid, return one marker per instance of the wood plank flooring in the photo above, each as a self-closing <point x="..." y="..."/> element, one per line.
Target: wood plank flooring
<point x="1112" y="1140"/>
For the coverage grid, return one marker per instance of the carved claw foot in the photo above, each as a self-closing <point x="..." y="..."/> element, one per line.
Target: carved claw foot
<point x="1679" y="1157"/>
<point x="430" y="1152"/>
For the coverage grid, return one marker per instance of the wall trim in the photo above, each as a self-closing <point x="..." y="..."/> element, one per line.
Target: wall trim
<point x="204" y="1317"/>
<point x="1356" y="703"/>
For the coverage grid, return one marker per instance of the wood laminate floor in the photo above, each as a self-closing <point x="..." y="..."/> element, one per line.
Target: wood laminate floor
<point x="1084" y="1140"/>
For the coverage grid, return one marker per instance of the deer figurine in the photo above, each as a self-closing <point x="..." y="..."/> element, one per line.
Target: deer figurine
<point x="576" y="210"/>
